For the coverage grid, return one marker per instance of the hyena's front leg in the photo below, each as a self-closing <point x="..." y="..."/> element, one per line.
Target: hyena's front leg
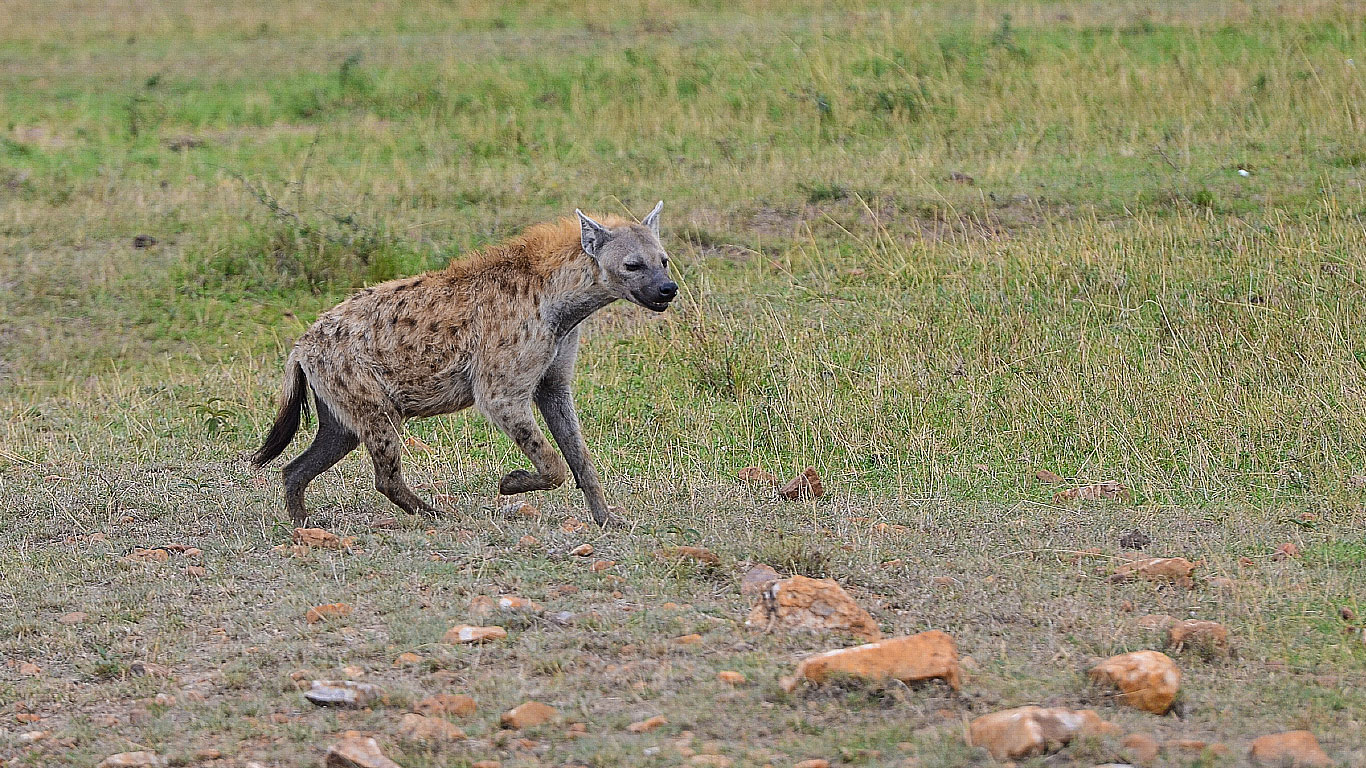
<point x="513" y="416"/>
<point x="557" y="407"/>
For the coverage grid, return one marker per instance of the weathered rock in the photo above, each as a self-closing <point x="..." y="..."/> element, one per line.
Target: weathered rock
<point x="75" y="617"/>
<point x="521" y="509"/>
<point x="815" y="762"/>
<point x="29" y="737"/>
<point x="1147" y="680"/>
<point x="1286" y="551"/>
<point x="406" y="658"/>
<point x="1155" y="621"/>
<point x="319" y="538"/>
<point x="343" y="693"/>
<point x="818" y="605"/>
<point x="698" y="554"/>
<point x="330" y="611"/>
<point x="1141" y="747"/>
<point x="1196" y="746"/>
<point x="924" y="656"/>
<point x="582" y="550"/>
<point x="1016" y="733"/>
<point x="464" y="633"/>
<point x="456" y="704"/>
<point x="428" y="730"/>
<point x="357" y="751"/>
<point x="1207" y="637"/>
<point x="602" y="565"/>
<point x="1048" y="476"/>
<point x="529" y="715"/>
<point x="1298" y="749"/>
<point x="1094" y="492"/>
<point x="148" y="556"/>
<point x="692" y="639"/>
<point x="808" y="483"/>
<point x="141" y="759"/>
<point x="528" y="541"/>
<point x="730" y="677"/>
<point x="29" y="669"/>
<point x="650" y="724"/>
<point x="756" y="579"/>
<point x="1155" y="569"/>
<point x="757" y="476"/>
<point x="515" y="604"/>
<point x="1135" y="539"/>
<point x="711" y="761"/>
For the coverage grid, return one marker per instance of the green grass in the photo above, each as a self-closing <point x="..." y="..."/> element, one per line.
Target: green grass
<point x="1109" y="299"/>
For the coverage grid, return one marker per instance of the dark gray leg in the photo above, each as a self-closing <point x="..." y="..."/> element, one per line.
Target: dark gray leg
<point x="330" y="446"/>
<point x="382" y="440"/>
<point x="557" y="407"/>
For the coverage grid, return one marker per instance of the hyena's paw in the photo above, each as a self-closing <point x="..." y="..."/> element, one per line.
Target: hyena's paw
<point x="611" y="519"/>
<point x="520" y="481"/>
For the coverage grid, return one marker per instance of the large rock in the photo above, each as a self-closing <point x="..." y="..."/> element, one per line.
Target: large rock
<point x="342" y="693"/>
<point x="529" y="715"/>
<point x="1016" y="733"/>
<point x="1147" y="680"/>
<point x="818" y="605"/>
<point x="925" y="656"/>
<point x="357" y="751"/>
<point x="324" y="612"/>
<point x="1208" y="637"/>
<point x="1298" y="749"/>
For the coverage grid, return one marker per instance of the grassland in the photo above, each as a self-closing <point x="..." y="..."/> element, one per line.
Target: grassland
<point x="1155" y="276"/>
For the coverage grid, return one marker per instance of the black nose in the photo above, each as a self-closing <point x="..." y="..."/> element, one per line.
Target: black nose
<point x="668" y="290"/>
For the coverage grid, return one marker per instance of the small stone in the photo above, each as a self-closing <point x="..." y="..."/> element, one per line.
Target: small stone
<point x="1016" y="733"/>
<point x="486" y="764"/>
<point x="407" y="658"/>
<point x="28" y="737"/>
<point x="385" y="524"/>
<point x="730" y="677"/>
<point x="317" y="537"/>
<point x="148" y="556"/>
<point x="1224" y="584"/>
<point x="456" y="704"/>
<point x="464" y="633"/>
<point x="1347" y="614"/>
<point x="1208" y="637"/>
<point x="149" y="669"/>
<point x="601" y="565"/>
<point x="192" y="552"/>
<point x="527" y="542"/>
<point x="1048" y="476"/>
<point x="342" y="693"/>
<point x="643" y="726"/>
<point x="698" y="554"/>
<point x="529" y="715"/>
<point x="522" y="509"/>
<point x="688" y="640"/>
<point x="352" y="670"/>
<point x="515" y="604"/>
<point x="75" y="617"/>
<point x="756" y="579"/>
<point x="815" y="762"/>
<point x="1298" y="749"/>
<point x="330" y="611"/>
<point x="357" y="751"/>
<point x="924" y="656"/>
<point x="196" y="571"/>
<point x="1155" y="569"/>
<point x="1147" y="680"/>
<point x="1141" y="747"/>
<point x="818" y="605"/>
<point x="1155" y="621"/>
<point x="712" y="761"/>
<point x="428" y="729"/>
<point x="582" y="550"/>
<point x="1286" y="551"/>
<point x="1094" y="492"/>
<point x="573" y="525"/>
<point x="29" y="669"/>
<point x="143" y="241"/>
<point x="757" y="476"/>
<point x="142" y="759"/>
<point x="1134" y="539"/>
<point x="808" y="483"/>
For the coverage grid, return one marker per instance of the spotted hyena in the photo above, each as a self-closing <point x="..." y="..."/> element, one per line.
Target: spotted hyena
<point x="497" y="330"/>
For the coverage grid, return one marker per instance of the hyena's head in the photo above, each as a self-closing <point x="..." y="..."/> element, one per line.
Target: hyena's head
<point x="632" y="263"/>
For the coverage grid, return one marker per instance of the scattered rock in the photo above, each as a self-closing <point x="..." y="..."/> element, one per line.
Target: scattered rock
<point x="1298" y="749"/>
<point x="815" y="762"/>
<point x="321" y="539"/>
<point x="819" y="605"/>
<point x="464" y="633"/>
<point x="643" y="726"/>
<point x="599" y="566"/>
<point x="574" y="525"/>
<point x="486" y="764"/>
<point x="1141" y="747"/>
<point x="699" y="554"/>
<point x="515" y="604"/>
<point x="143" y="241"/>
<point x="157" y="555"/>
<point x="529" y="715"/>
<point x="342" y="693"/>
<point x="756" y="579"/>
<point x="528" y="541"/>
<point x="1094" y="492"/>
<point x="757" y="476"/>
<point x="1196" y="745"/>
<point x="958" y="177"/>
<point x="730" y="677"/>
<point x="29" y="737"/>
<point x="711" y="761"/>
<point x="523" y="509"/>
<point x="428" y="730"/>
<point x="1135" y="539"/>
<point x="924" y="656"/>
<point x="330" y="611"/>
<point x="456" y="704"/>
<point x="1155" y="569"/>
<point x="1046" y="476"/>
<point x="1016" y="733"/>
<point x="1286" y="551"/>
<point x="406" y="658"/>
<point x="1156" y="621"/>
<point x="142" y="759"/>
<point x="808" y="483"/>
<point x="29" y="669"/>
<point x="1347" y="614"/>
<point x="357" y="751"/>
<point x="149" y="669"/>
<point x="1147" y="680"/>
<point x="75" y="617"/>
<point x="1208" y="637"/>
<point x="582" y="550"/>
<point x="389" y="523"/>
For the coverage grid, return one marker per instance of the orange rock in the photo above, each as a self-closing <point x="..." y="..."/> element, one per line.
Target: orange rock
<point x="446" y="704"/>
<point x="756" y="579"/>
<point x="730" y="677"/>
<point x="515" y="604"/>
<point x="1196" y="745"/>
<point x="647" y="725"/>
<point x="1094" y="492"/>
<point x="330" y="611"/>
<point x="357" y="751"/>
<point x="582" y="550"/>
<point x="75" y="617"/>
<point x="1298" y="749"/>
<point x="317" y="537"/>
<point x="1156" y="621"/>
<point x="1286" y="551"/>
<point x="529" y="715"/>
<point x="486" y="764"/>
<point x="464" y="633"/>
<point x="522" y="509"/>
<point x="197" y="571"/>
<point x="1141" y="747"/>
<point x="700" y="554"/>
<point x="688" y="639"/>
<point x="925" y="656"/>
<point x="819" y="605"/>
<point x="1046" y="476"/>
<point x="29" y="669"/>
<point x="1155" y="569"/>
<point x="141" y="759"/>
<point x="1147" y="680"/>
<point x="573" y="525"/>
<point x="527" y="542"/>
<point x="815" y="762"/>
<point x="149" y="556"/>
<point x="1016" y="733"/>
<point x="428" y="729"/>
<point x="192" y="552"/>
<point x="757" y="476"/>
<point x="601" y="565"/>
<point x="808" y="483"/>
<point x="406" y="658"/>
<point x="1208" y="637"/>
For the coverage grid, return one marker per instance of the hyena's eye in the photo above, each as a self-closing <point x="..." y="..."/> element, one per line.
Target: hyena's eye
<point x="634" y="266"/>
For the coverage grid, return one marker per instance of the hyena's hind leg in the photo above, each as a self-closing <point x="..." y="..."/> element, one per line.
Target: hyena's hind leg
<point x="330" y="446"/>
<point x="382" y="437"/>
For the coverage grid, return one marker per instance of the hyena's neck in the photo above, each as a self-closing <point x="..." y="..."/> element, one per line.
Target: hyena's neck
<point x="571" y="295"/>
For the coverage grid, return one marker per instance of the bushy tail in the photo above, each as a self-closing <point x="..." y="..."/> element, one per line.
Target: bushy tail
<point x="293" y="403"/>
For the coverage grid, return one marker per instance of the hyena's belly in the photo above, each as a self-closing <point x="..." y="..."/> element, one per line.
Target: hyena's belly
<point x="418" y="392"/>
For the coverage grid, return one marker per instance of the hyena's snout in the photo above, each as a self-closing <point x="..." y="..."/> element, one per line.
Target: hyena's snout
<point x="658" y="295"/>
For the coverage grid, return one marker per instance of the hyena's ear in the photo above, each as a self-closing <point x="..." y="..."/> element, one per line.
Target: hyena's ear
<point x="652" y="220"/>
<point x="592" y="234"/>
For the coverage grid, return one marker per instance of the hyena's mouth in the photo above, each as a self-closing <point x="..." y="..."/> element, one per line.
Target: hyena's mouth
<point x="653" y="306"/>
